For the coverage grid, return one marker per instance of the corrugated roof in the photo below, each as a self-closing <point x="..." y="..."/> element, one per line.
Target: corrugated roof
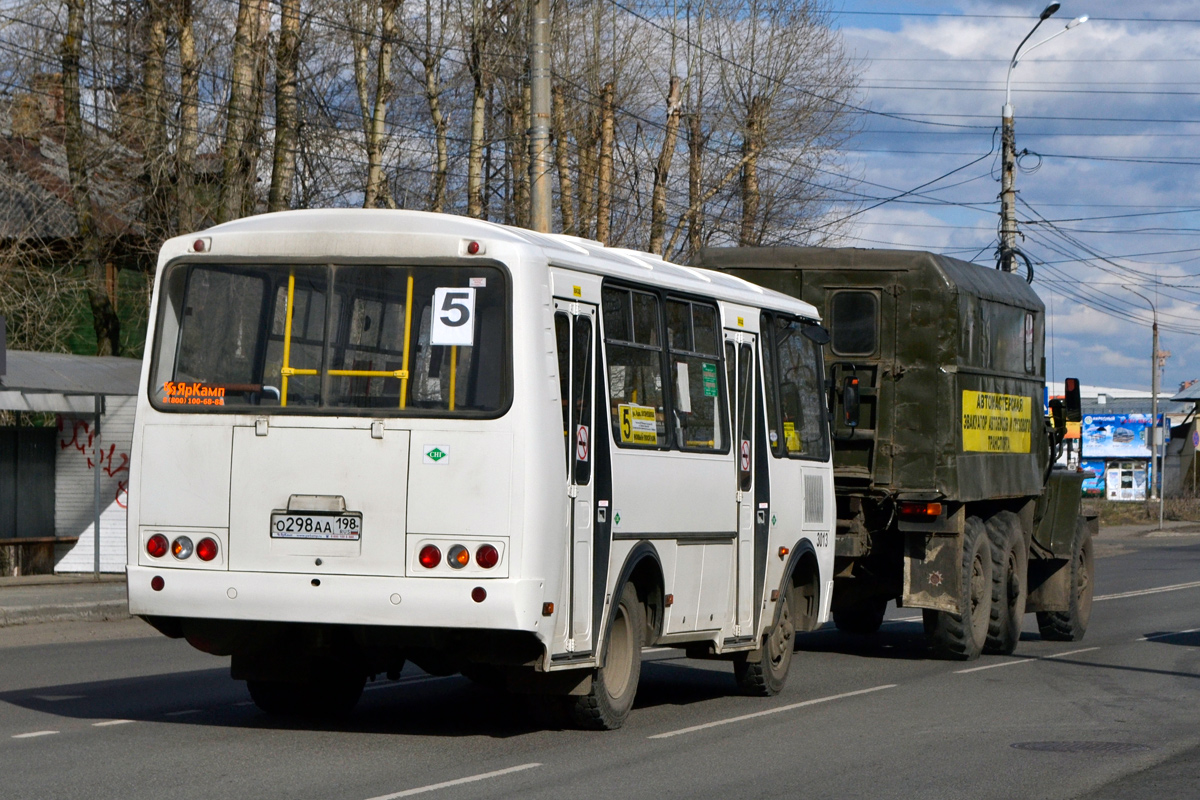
<point x="1190" y="394"/>
<point x="70" y="374"/>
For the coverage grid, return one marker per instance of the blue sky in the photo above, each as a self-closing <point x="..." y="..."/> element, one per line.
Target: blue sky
<point x="1107" y="199"/>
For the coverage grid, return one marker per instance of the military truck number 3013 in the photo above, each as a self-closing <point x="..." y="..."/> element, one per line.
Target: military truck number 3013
<point x="948" y="496"/>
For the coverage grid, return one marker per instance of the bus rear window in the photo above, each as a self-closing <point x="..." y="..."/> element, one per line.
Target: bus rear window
<point x="349" y="339"/>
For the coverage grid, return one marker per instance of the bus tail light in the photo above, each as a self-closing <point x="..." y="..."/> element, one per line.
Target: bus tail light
<point x="157" y="545"/>
<point x="430" y="556"/>
<point x="458" y="557"/>
<point x="181" y="548"/>
<point x="487" y="556"/>
<point x="479" y="594"/>
<point x="207" y="549"/>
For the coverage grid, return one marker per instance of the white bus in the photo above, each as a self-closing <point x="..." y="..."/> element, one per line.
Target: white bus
<point x="366" y="437"/>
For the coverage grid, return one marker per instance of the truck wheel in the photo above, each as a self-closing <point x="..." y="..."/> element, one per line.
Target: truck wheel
<point x="861" y="617"/>
<point x="1010" y="565"/>
<point x="960" y="636"/>
<point x="614" y="685"/>
<point x="1071" y="625"/>
<point x="766" y="676"/>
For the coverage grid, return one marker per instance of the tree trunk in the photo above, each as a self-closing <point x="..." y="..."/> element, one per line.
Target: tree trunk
<point x="154" y="123"/>
<point x="562" y="160"/>
<point x="658" y="199"/>
<point x="519" y="157"/>
<point x="587" y="178"/>
<point x="186" y="144"/>
<point x="696" y="144"/>
<point x="243" y="76"/>
<point x="481" y="85"/>
<point x="248" y="158"/>
<point x="604" y="171"/>
<point x="752" y="145"/>
<point x="104" y="317"/>
<point x="287" y="120"/>
<point x="433" y="92"/>
<point x="376" y="190"/>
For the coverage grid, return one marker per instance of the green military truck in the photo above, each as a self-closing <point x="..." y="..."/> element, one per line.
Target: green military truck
<point x="948" y="499"/>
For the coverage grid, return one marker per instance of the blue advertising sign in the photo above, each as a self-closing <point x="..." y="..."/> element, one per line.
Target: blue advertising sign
<point x="1116" y="436"/>
<point x="1093" y="486"/>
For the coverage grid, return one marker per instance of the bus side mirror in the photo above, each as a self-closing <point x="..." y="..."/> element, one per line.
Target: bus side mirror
<point x="1072" y="405"/>
<point x="850" y="401"/>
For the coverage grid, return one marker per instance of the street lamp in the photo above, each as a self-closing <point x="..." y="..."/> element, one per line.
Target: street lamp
<point x="1155" y="468"/>
<point x="1008" y="194"/>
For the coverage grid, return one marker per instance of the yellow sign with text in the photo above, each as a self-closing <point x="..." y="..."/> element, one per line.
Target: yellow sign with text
<point x="638" y="424"/>
<point x="996" y="423"/>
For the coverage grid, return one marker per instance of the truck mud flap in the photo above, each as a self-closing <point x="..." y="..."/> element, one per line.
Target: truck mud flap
<point x="1049" y="585"/>
<point x="932" y="571"/>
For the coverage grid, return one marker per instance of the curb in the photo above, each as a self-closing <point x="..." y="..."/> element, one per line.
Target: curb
<point x="66" y="612"/>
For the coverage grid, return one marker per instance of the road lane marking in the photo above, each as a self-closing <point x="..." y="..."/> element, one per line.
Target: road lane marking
<point x="243" y="703"/>
<point x="656" y="649"/>
<point x="58" y="698"/>
<point x="1165" y="635"/>
<point x="1139" y="592"/>
<point x="182" y="713"/>
<point x="1025" y="660"/>
<point x="770" y="711"/>
<point x="33" y="734"/>
<point x="111" y="722"/>
<point x="902" y="619"/>
<point x="1071" y="652"/>
<point x="433" y="787"/>
<point x="993" y="666"/>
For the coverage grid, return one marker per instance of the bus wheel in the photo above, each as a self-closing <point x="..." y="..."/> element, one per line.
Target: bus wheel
<point x="332" y="694"/>
<point x="862" y="617"/>
<point x="1010" y="563"/>
<point x="960" y="636"/>
<point x="765" y="676"/>
<point x="1071" y="625"/>
<point x="614" y="685"/>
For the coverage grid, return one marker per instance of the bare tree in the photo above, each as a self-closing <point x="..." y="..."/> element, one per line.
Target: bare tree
<point x="287" y="117"/>
<point x="245" y="90"/>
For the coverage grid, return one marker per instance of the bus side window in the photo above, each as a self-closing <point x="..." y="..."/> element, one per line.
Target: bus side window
<point x="692" y="335"/>
<point x="801" y="399"/>
<point x="562" y="336"/>
<point x="633" y="350"/>
<point x="767" y="343"/>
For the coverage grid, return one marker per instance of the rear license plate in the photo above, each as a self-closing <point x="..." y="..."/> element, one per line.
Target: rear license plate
<point x="317" y="525"/>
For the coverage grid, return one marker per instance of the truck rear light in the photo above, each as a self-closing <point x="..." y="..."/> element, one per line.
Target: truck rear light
<point x="181" y="548"/>
<point x="207" y="549"/>
<point x="157" y="545"/>
<point x="487" y="556"/>
<point x="918" y="511"/>
<point x="458" y="557"/>
<point x="429" y="556"/>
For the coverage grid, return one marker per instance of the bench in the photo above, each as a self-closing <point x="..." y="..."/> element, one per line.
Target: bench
<point x="30" y="555"/>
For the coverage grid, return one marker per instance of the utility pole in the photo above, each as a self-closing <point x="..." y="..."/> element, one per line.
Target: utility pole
<point x="1154" y="411"/>
<point x="539" y="113"/>
<point x="1008" y="192"/>
<point x="1008" y="144"/>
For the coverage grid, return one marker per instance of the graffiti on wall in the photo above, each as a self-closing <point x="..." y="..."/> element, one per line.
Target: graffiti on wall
<point x="77" y="434"/>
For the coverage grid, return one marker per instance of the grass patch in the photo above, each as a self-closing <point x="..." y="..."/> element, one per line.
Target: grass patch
<point x="1175" y="509"/>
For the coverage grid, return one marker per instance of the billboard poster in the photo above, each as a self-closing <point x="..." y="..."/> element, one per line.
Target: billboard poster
<point x="1116" y="436"/>
<point x="1093" y="486"/>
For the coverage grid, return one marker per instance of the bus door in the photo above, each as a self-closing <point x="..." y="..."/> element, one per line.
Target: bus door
<point x="740" y="364"/>
<point x="575" y="332"/>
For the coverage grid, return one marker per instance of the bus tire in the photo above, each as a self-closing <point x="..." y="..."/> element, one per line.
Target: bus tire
<point x="765" y="675"/>
<point x="960" y="636"/>
<point x="334" y="693"/>
<point x="1071" y="625"/>
<point x="862" y="617"/>
<point x="614" y="684"/>
<point x="1010" y="565"/>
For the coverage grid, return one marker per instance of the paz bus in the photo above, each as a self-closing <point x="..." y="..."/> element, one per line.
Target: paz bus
<point x="369" y="437"/>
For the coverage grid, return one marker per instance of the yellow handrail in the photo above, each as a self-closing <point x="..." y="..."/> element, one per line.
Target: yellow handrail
<point x="453" y="372"/>
<point x="286" y="369"/>
<point x="407" y="331"/>
<point x="368" y="373"/>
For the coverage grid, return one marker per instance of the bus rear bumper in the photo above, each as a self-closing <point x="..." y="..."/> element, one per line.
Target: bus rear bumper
<point x="510" y="604"/>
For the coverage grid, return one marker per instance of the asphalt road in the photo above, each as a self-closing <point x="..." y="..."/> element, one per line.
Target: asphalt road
<point x="103" y="710"/>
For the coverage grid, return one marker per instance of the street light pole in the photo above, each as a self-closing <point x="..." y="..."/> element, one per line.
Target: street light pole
<point x="539" y="111"/>
<point x="1008" y="144"/>
<point x="1156" y="457"/>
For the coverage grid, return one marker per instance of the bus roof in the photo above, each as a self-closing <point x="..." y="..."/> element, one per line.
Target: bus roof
<point x="572" y="252"/>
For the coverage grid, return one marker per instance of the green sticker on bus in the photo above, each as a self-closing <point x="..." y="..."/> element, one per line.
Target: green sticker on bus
<point x="709" y="372"/>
